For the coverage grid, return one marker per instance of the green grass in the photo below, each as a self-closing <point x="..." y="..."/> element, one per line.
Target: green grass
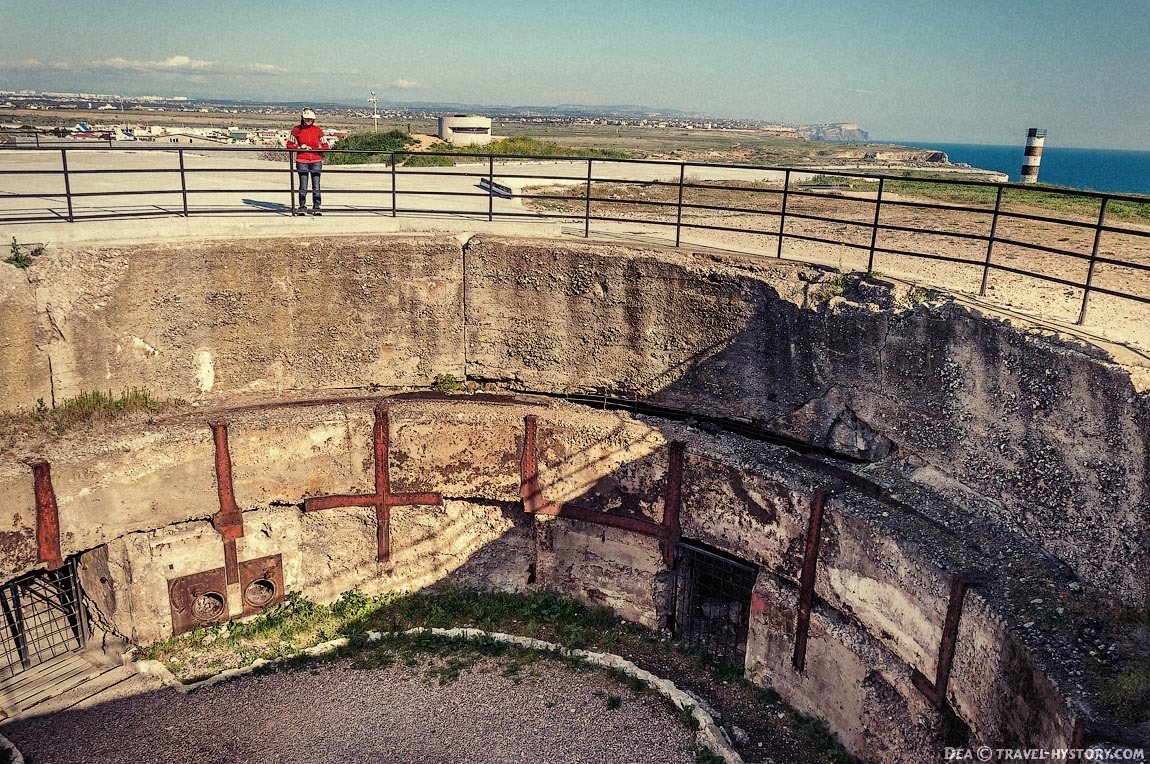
<point x="381" y="146"/>
<point x="95" y="406"/>
<point x="282" y="632"/>
<point x="525" y="145"/>
<point x="1127" y="695"/>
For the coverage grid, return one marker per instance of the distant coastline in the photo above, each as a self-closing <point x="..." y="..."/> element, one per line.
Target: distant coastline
<point x="1111" y="170"/>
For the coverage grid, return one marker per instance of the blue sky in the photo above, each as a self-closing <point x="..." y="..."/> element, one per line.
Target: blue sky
<point x="970" y="72"/>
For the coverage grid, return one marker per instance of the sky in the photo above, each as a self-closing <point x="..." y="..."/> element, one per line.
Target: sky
<point x="964" y="71"/>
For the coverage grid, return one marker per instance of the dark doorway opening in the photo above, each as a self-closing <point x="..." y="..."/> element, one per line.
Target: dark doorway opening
<point x="43" y="617"/>
<point x="711" y="601"/>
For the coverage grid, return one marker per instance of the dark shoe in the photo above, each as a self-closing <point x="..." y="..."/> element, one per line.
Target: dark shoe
<point x="317" y="213"/>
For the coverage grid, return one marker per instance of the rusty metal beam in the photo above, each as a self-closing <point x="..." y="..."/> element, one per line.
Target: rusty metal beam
<point x="667" y="531"/>
<point x="672" y="503"/>
<point x="47" y="516"/>
<point x="383" y="499"/>
<point x="807" y="579"/>
<point x="640" y="525"/>
<point x="229" y="520"/>
<point x="529" y="490"/>
<point x="936" y="692"/>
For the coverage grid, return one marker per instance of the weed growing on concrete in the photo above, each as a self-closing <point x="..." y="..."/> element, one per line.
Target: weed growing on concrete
<point x="1127" y="695"/>
<point x="447" y="383"/>
<point x="20" y="255"/>
<point x="833" y="287"/>
<point x="95" y="406"/>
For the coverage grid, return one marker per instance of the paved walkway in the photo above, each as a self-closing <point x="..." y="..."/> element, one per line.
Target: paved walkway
<point x="489" y="714"/>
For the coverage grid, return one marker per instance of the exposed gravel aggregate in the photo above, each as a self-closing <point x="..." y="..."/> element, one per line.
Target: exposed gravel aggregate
<point x="335" y="713"/>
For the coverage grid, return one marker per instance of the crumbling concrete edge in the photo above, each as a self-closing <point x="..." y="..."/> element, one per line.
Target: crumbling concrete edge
<point x="14" y="755"/>
<point x="708" y="733"/>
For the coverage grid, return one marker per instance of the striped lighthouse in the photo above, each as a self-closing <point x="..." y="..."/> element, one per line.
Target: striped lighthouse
<point x="1035" y="137"/>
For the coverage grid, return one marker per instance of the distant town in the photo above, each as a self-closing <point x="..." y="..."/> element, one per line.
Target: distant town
<point x="231" y="128"/>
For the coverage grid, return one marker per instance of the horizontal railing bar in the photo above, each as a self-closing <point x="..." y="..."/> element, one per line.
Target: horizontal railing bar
<point x="836" y="242"/>
<point x="835" y="198"/>
<point x="933" y="232"/>
<point x="1039" y="276"/>
<point x="728" y="229"/>
<point x="1040" y="248"/>
<point x="1123" y="263"/>
<point x="803" y="216"/>
<point x="1059" y="190"/>
<point x="719" y="208"/>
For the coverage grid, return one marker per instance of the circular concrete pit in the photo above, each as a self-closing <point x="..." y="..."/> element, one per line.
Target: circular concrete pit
<point x="937" y="505"/>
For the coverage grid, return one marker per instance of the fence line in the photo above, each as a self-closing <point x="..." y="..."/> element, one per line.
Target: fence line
<point x="579" y="191"/>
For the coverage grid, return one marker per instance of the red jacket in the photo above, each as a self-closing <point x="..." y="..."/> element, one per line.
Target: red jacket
<point x="310" y="137"/>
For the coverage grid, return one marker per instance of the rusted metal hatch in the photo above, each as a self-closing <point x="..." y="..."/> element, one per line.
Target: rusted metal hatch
<point x="43" y="617"/>
<point x="202" y="598"/>
<point x="711" y="601"/>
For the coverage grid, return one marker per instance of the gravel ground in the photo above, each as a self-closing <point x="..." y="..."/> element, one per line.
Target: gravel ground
<point x="332" y="712"/>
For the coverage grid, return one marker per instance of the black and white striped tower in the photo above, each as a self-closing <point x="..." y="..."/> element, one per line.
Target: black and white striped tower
<point x="1035" y="137"/>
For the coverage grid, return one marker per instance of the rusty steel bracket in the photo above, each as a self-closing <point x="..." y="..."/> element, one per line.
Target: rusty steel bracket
<point x="383" y="499"/>
<point x="807" y="579"/>
<point x="229" y="520"/>
<point x="936" y="692"/>
<point x="47" y="516"/>
<point x="667" y="531"/>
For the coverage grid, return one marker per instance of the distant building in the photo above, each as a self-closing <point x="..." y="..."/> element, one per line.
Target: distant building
<point x="465" y="130"/>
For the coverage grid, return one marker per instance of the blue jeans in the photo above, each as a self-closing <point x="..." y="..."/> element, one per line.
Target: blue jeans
<point x="306" y="169"/>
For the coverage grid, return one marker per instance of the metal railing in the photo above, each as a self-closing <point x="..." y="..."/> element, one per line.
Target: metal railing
<point x="886" y="209"/>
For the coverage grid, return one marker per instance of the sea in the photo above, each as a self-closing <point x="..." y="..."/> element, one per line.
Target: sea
<point x="1110" y="170"/>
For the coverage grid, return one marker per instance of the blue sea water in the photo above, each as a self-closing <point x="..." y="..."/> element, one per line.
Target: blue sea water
<point x="1121" y="172"/>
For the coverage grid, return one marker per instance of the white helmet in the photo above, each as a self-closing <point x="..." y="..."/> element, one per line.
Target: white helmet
<point x="307" y="114"/>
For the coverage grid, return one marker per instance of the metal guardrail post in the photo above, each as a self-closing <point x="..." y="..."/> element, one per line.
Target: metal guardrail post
<point x="394" y="203"/>
<point x="679" y="207"/>
<point x="783" y="213"/>
<point x="491" y="185"/>
<point x="874" y="226"/>
<point x="1093" y="260"/>
<point x="183" y="182"/>
<point x="990" y="244"/>
<point x="587" y="208"/>
<point x="67" y="184"/>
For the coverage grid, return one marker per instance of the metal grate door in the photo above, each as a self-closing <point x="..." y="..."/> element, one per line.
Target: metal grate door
<point x="711" y="601"/>
<point x="42" y="617"/>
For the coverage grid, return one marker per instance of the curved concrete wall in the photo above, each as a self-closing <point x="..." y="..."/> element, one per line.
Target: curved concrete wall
<point x="1044" y="436"/>
<point x="1004" y="441"/>
<point x="142" y="502"/>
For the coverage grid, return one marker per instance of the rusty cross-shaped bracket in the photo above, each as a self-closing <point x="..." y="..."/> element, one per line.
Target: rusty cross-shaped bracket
<point x="383" y="499"/>
<point x="667" y="532"/>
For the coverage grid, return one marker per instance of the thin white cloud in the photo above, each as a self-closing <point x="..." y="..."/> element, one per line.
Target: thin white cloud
<point x="403" y="84"/>
<point x="187" y="65"/>
<point x="34" y="63"/>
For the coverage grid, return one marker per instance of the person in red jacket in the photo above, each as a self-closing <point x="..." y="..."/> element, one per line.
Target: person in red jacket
<point x="308" y="139"/>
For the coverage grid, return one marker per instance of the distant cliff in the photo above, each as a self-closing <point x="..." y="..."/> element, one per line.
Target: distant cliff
<point x="844" y="132"/>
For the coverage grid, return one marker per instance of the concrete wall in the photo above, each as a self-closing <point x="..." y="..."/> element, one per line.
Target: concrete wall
<point x="1010" y="440"/>
<point x="140" y="503"/>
